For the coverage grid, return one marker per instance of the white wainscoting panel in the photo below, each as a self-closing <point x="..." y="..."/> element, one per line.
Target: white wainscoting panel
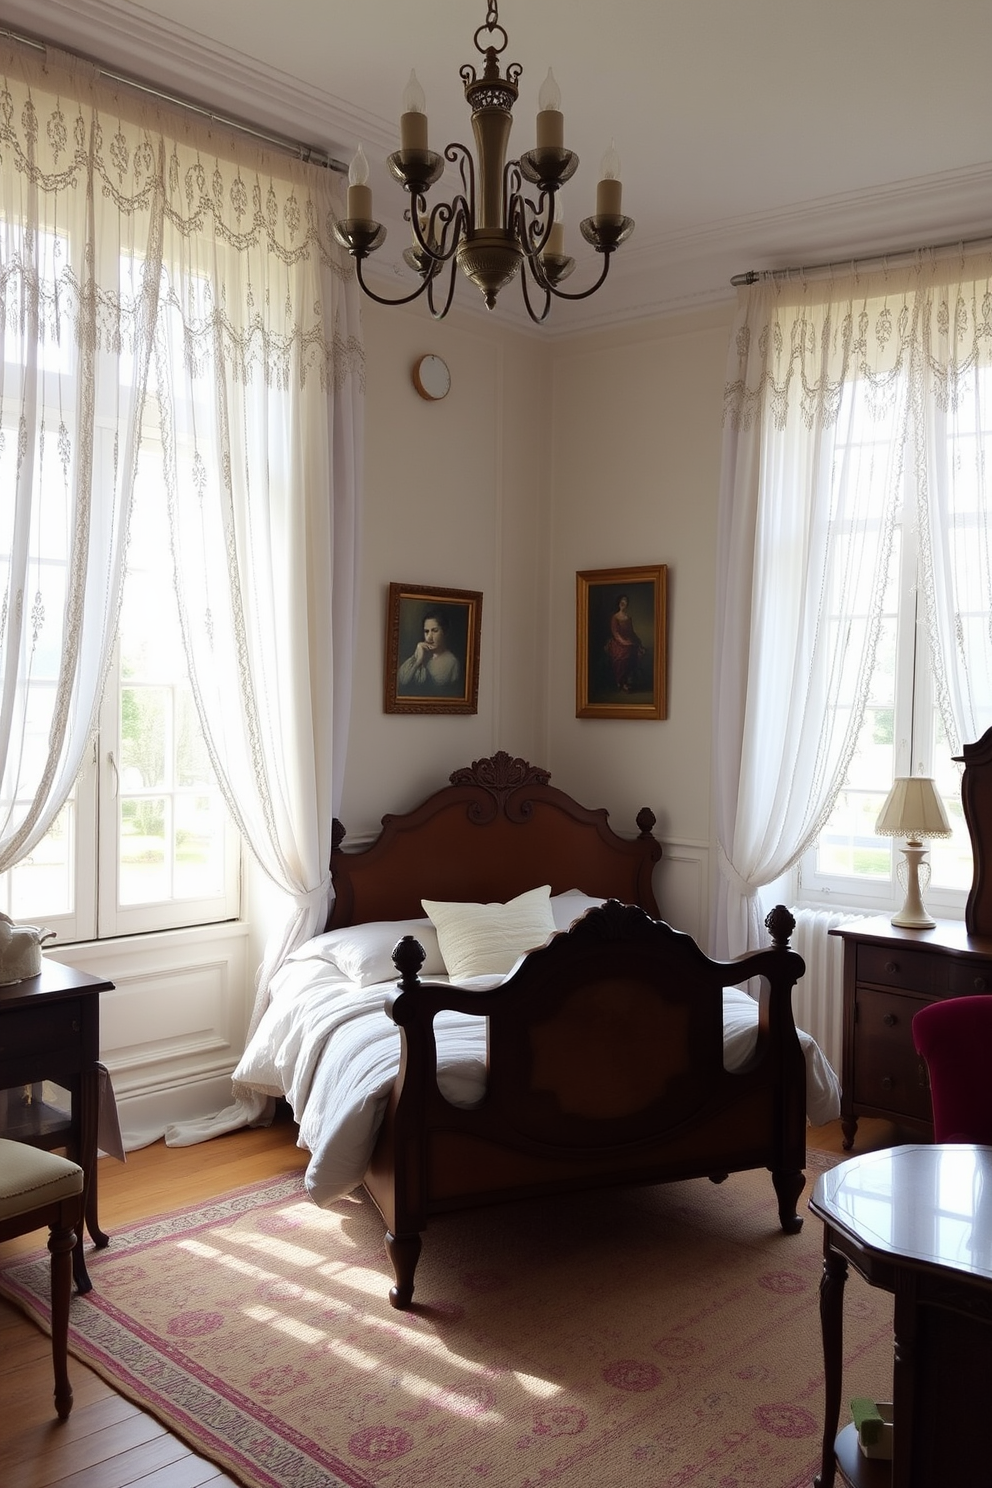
<point x="681" y="887"/>
<point x="173" y="1027"/>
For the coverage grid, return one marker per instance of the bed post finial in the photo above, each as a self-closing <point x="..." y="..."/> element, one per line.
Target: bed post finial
<point x="780" y="923"/>
<point x="408" y="957"/>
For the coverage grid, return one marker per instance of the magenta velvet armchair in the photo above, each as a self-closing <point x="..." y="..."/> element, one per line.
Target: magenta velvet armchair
<point x="955" y="1039"/>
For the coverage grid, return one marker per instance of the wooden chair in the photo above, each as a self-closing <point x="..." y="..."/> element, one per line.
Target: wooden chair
<point x="36" y="1189"/>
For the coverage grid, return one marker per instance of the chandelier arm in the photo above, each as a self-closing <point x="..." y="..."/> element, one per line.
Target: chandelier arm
<point x="535" y="317"/>
<point x="530" y="222"/>
<point x="449" y="216"/>
<point x="379" y="299"/>
<point x="583" y="294"/>
<point x="440" y="314"/>
<point x="462" y="155"/>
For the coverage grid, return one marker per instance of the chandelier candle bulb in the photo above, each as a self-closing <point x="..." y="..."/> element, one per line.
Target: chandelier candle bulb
<point x="609" y="190"/>
<point x="555" y="246"/>
<point x="413" y="119"/>
<point x="359" y="191"/>
<point x="550" y="120"/>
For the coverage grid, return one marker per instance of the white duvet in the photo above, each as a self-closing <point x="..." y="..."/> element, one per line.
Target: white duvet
<point x="332" y="1050"/>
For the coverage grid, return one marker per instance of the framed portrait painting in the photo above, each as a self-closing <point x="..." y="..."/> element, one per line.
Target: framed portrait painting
<point x="432" y="649"/>
<point x="620" y="643"/>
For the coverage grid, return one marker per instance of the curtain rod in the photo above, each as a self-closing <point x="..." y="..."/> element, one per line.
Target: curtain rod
<point x="879" y="260"/>
<point x="307" y="153"/>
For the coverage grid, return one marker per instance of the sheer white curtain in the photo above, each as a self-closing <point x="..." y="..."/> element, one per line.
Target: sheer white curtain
<point x="816" y="418"/>
<point x="157" y="269"/>
<point x="259" y="375"/>
<point x="844" y="398"/>
<point x="75" y="338"/>
<point x="952" y="462"/>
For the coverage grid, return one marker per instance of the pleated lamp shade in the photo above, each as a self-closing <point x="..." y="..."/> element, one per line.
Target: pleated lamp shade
<point x="913" y="810"/>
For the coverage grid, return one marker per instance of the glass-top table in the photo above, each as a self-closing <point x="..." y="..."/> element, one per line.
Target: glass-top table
<point x="916" y="1221"/>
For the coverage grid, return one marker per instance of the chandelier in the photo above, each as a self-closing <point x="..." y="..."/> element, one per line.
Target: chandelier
<point x="491" y="228"/>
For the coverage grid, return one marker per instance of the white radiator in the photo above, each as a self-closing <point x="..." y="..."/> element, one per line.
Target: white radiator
<point x="818" y="1001"/>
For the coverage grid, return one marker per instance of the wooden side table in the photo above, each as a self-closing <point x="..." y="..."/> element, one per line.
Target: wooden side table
<point x="889" y="974"/>
<point x="50" y="1030"/>
<point x="916" y="1221"/>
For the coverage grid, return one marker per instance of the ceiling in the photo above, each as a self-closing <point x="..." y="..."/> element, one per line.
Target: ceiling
<point x="761" y="135"/>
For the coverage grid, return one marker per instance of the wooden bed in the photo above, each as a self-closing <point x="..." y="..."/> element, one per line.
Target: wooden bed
<point x="605" y="1047"/>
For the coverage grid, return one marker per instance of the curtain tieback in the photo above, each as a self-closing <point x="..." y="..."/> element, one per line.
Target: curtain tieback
<point x="310" y="899"/>
<point x="744" y="888"/>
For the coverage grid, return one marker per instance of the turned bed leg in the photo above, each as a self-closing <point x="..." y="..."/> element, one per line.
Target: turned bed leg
<point x="788" y="1187"/>
<point x="404" y="1253"/>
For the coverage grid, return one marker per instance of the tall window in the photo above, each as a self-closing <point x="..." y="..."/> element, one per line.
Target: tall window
<point x="145" y="841"/>
<point x="164" y="280"/>
<point x="902" y="734"/>
<point x="854" y="625"/>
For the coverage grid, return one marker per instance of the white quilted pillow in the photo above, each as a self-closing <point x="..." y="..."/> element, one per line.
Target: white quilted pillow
<point x="364" y="953"/>
<point x="481" y="939"/>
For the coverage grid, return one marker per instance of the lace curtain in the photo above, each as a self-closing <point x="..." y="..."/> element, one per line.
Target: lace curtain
<point x="76" y="344"/>
<point x="842" y="395"/>
<point x="156" y="268"/>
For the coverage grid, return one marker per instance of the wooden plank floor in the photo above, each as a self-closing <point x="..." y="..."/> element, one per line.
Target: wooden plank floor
<point x="107" y="1442"/>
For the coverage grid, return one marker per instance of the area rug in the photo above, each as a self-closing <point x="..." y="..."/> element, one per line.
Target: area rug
<point x="655" y="1338"/>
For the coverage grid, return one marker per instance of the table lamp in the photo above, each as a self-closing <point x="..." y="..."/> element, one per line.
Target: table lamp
<point x="913" y="810"/>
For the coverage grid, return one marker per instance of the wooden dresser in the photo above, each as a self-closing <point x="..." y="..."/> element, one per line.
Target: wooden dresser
<point x="889" y="974"/>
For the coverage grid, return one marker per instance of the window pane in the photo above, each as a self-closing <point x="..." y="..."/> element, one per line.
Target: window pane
<point x="172" y="822"/>
<point x="848" y="846"/>
<point x="199" y="846"/>
<point x="40" y="886"/>
<point x="144" y="866"/>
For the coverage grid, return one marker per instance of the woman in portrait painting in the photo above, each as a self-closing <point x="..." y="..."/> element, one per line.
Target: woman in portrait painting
<point x="433" y="669"/>
<point x="624" y="648"/>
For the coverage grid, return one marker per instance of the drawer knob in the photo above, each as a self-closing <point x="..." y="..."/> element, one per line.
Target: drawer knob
<point x="890" y="1020"/>
<point x="892" y="967"/>
<point x="886" y="1082"/>
<point x="75" y="1025"/>
<point x="981" y="984"/>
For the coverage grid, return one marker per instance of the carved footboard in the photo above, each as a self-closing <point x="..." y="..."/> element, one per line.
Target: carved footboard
<point x="606" y="1066"/>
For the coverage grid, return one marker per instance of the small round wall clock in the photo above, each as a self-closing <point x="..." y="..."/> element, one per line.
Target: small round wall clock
<point x="431" y="378"/>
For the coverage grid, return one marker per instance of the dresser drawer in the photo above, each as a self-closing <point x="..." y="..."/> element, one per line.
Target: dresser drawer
<point x="897" y="966"/>
<point x="968" y="978"/>
<point x="888" y="1072"/>
<point x="50" y="1027"/>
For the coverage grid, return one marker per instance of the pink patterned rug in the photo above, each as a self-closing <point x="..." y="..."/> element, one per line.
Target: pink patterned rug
<point x="655" y="1338"/>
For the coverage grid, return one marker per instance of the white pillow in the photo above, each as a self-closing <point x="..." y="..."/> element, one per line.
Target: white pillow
<point x="479" y="939"/>
<point x="364" y="953"/>
<point x="567" y="907"/>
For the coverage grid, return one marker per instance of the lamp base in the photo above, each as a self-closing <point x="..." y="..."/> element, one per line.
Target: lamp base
<point x="914" y="914"/>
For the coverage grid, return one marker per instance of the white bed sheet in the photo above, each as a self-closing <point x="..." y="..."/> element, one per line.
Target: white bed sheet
<point x="333" y="1052"/>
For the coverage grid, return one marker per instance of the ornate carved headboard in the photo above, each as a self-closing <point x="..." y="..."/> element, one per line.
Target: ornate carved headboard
<point x="498" y="829"/>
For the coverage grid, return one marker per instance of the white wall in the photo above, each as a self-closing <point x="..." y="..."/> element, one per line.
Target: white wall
<point x="456" y="495"/>
<point x="637" y="435"/>
<point x="547" y="457"/>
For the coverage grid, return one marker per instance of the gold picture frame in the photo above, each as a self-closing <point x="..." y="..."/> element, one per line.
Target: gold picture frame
<point x="432" y="649"/>
<point x="621" y="639"/>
